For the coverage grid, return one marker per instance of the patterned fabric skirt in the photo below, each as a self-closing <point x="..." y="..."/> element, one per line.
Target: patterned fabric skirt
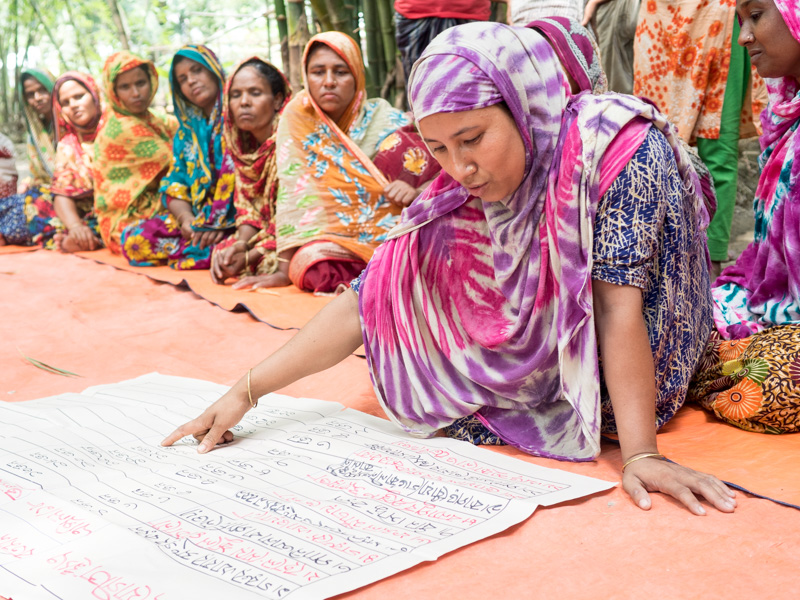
<point x="29" y="219"/>
<point x="322" y="266"/>
<point x="158" y="241"/>
<point x="753" y="382"/>
<point x="471" y="429"/>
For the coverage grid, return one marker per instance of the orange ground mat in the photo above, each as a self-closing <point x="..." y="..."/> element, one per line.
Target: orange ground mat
<point x="282" y="308"/>
<point x="16" y="249"/>
<point x="107" y="325"/>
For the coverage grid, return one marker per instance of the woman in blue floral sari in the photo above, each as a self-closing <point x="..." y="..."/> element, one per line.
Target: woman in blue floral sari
<point x="198" y="190"/>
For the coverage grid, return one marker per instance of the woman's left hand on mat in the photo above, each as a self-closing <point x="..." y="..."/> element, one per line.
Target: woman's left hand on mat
<point x="682" y="483"/>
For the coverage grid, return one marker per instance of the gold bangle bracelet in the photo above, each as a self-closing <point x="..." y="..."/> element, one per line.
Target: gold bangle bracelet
<point x="249" y="393"/>
<point x="636" y="457"/>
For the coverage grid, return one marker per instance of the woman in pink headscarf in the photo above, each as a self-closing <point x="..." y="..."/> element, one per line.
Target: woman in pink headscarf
<point x="751" y="370"/>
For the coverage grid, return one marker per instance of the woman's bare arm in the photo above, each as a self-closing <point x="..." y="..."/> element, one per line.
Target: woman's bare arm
<point x="330" y="337"/>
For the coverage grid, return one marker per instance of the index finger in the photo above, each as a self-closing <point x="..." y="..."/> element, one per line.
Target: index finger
<point x="194" y="426"/>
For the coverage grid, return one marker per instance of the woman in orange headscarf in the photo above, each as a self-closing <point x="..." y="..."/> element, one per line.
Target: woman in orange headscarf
<point x="347" y="165"/>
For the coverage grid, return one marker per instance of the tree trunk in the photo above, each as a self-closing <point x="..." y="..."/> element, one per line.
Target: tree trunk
<point x="322" y="12"/>
<point x="386" y="22"/>
<point x="49" y="33"/>
<point x="116" y="16"/>
<point x="374" y="62"/>
<point x="353" y="7"/>
<point x="298" y="37"/>
<point x="15" y="97"/>
<point x="4" y="82"/>
<point x="78" y="38"/>
<point x="283" y="34"/>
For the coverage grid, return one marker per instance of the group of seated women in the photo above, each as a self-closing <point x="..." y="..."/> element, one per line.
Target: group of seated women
<point x="258" y="185"/>
<point x="549" y="287"/>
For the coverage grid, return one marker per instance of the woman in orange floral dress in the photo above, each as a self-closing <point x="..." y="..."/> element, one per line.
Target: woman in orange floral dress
<point x="346" y="164"/>
<point x="685" y="62"/>
<point x="133" y="148"/>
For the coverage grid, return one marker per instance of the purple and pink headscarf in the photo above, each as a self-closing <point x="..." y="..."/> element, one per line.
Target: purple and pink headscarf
<point x="763" y="288"/>
<point x="576" y="49"/>
<point x="486" y="308"/>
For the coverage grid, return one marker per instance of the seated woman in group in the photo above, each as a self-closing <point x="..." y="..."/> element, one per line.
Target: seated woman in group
<point x="28" y="217"/>
<point x="750" y="374"/>
<point x="255" y="95"/>
<point x="563" y="228"/>
<point x="132" y="151"/>
<point x="347" y="165"/>
<point x="198" y="190"/>
<point x="77" y="110"/>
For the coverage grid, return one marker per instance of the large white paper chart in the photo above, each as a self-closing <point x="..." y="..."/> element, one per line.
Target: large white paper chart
<point x="310" y="501"/>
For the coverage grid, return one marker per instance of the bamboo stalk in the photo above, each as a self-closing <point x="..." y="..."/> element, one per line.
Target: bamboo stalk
<point x="116" y="16"/>
<point x="78" y="38"/>
<point x="49" y="33"/>
<point x="374" y="61"/>
<point x="298" y="36"/>
<point x="283" y="33"/>
<point x="322" y="13"/>
<point x="386" y="22"/>
<point x="4" y="82"/>
<point x="353" y="7"/>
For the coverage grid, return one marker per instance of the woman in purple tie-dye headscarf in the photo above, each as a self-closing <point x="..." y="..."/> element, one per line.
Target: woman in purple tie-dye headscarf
<point x="562" y="227"/>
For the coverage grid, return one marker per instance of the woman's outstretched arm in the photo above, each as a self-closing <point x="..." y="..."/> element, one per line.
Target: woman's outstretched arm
<point x="630" y="379"/>
<point x="331" y="336"/>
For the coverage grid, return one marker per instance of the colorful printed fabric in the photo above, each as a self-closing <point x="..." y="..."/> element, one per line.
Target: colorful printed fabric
<point x="681" y="58"/>
<point x="485" y="309"/>
<point x="577" y="50"/>
<point x="762" y="289"/>
<point x="72" y="176"/>
<point x="29" y="219"/>
<point x="8" y="168"/>
<point x="132" y="154"/>
<point x="753" y="383"/>
<point x="661" y="251"/>
<point x="256" y="175"/>
<point x="41" y="141"/>
<point x="330" y="187"/>
<point x="158" y="241"/>
<point x="202" y="174"/>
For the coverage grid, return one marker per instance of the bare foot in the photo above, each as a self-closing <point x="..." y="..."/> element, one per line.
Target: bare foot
<point x="263" y="281"/>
